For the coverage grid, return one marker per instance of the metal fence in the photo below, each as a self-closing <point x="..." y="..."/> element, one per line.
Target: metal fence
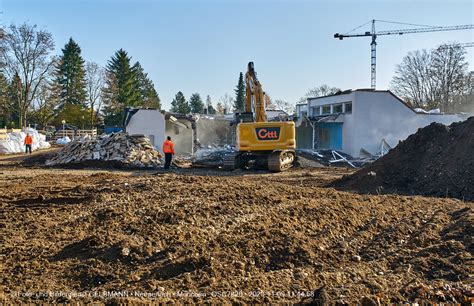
<point x="72" y="134"/>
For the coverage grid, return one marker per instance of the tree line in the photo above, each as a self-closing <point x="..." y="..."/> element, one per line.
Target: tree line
<point x="37" y="87"/>
<point x="437" y="78"/>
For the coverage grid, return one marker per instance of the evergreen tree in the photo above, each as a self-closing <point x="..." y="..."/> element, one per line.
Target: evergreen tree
<point x="180" y="105"/>
<point x="196" y="104"/>
<point x="210" y="108"/>
<point x="15" y="94"/>
<point x="71" y="75"/>
<point x="6" y="106"/>
<point x="122" y="87"/>
<point x="149" y="96"/>
<point x="240" y="95"/>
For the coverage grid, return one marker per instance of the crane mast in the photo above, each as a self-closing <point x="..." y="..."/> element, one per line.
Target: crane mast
<point x="373" y="45"/>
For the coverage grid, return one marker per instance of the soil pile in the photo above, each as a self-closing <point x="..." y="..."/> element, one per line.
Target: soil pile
<point x="437" y="160"/>
<point x="271" y="238"/>
<point x="121" y="149"/>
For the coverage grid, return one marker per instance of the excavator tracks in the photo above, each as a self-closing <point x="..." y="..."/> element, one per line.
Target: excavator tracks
<point x="230" y="161"/>
<point x="281" y="160"/>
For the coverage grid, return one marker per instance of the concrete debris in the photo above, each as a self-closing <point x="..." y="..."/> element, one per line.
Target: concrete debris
<point x="134" y="151"/>
<point x="212" y="157"/>
<point x="332" y="158"/>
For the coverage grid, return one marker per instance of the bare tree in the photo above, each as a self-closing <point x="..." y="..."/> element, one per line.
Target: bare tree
<point x="319" y="91"/>
<point x="95" y="82"/>
<point x="432" y="79"/>
<point x="413" y="80"/>
<point x="45" y="103"/>
<point x="269" y="102"/>
<point x="227" y="102"/>
<point x="220" y="108"/>
<point x="284" y="105"/>
<point x="449" y="67"/>
<point x="25" y="51"/>
<point x="465" y="101"/>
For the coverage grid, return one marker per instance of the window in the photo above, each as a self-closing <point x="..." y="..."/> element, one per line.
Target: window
<point x="337" y="109"/>
<point x="348" y="107"/>
<point x="326" y="109"/>
<point x="316" y="111"/>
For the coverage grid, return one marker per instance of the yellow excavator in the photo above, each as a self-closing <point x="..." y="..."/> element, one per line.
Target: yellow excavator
<point x="259" y="142"/>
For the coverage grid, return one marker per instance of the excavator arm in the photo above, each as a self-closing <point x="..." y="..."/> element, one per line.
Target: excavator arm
<point x="254" y="97"/>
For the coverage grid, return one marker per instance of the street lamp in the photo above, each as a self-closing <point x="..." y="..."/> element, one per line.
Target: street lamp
<point x="64" y="123"/>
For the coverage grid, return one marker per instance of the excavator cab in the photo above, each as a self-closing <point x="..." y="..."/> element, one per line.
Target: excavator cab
<point x="258" y="142"/>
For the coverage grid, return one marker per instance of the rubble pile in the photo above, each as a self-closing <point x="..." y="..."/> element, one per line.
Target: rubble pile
<point x="436" y="161"/>
<point x="128" y="151"/>
<point x="212" y="157"/>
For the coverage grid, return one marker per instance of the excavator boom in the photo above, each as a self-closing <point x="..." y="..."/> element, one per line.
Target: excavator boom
<point x="254" y="95"/>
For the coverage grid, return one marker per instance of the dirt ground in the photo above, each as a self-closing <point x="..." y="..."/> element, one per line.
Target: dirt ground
<point x="211" y="236"/>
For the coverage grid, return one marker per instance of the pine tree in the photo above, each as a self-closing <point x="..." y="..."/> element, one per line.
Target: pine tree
<point x="196" y="104"/>
<point x="210" y="108"/>
<point x="149" y="96"/>
<point x="6" y="106"/>
<point x="15" y="94"/>
<point x="240" y="95"/>
<point x="179" y="104"/>
<point x="71" y="75"/>
<point x="122" y="87"/>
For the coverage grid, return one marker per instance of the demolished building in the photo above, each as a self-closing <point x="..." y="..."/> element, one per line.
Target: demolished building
<point x="188" y="132"/>
<point x="361" y="121"/>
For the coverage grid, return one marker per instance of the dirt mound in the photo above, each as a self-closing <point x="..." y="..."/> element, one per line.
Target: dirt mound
<point x="437" y="161"/>
<point x="267" y="238"/>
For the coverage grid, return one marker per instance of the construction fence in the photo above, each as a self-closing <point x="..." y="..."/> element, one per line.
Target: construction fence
<point x="72" y="134"/>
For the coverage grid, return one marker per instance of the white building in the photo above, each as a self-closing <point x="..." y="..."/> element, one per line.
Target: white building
<point x="360" y="119"/>
<point x="148" y="122"/>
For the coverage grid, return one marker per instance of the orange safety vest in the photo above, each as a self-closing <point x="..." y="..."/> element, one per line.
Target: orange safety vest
<point x="168" y="147"/>
<point x="28" y="140"/>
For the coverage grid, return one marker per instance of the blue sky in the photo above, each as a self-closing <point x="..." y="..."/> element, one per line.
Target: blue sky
<point x="202" y="45"/>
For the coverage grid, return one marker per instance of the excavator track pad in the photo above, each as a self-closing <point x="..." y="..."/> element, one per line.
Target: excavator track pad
<point x="281" y="160"/>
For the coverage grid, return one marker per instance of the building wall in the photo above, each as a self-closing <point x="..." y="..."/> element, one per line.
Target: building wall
<point x="150" y="123"/>
<point x="347" y="132"/>
<point x="380" y="115"/>
<point x="375" y="116"/>
<point x="304" y="136"/>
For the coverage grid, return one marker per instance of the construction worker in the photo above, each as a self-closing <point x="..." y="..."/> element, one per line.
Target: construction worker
<point x="28" y="143"/>
<point x="168" y="149"/>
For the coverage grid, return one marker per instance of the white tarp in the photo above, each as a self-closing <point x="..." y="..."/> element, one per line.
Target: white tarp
<point x="15" y="142"/>
<point x="63" y="141"/>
